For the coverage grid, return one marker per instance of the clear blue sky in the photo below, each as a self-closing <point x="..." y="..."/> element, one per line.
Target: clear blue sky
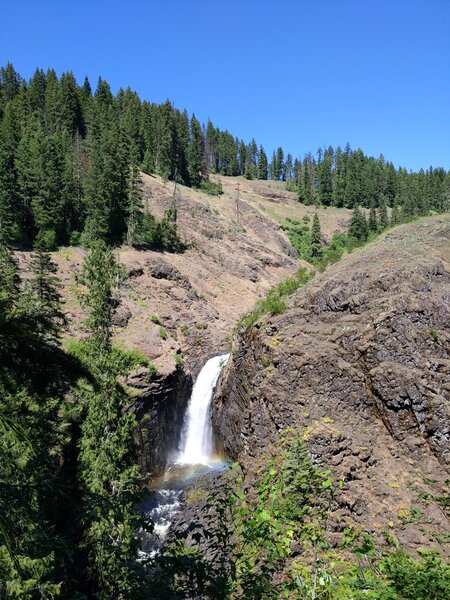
<point x="295" y="73"/>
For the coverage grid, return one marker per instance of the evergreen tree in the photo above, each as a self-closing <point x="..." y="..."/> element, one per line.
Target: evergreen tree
<point x="134" y="220"/>
<point x="325" y="181"/>
<point x="358" y="228"/>
<point x="100" y="270"/>
<point x="273" y="167"/>
<point x="196" y="154"/>
<point x="31" y="386"/>
<point x="305" y="189"/>
<point x="262" y="164"/>
<point x="9" y="215"/>
<point x="279" y="165"/>
<point x="373" y="220"/>
<point x="107" y="473"/>
<point x="340" y="179"/>
<point x="316" y="238"/>
<point x="45" y="296"/>
<point x="288" y="169"/>
<point x="383" y="213"/>
<point x="395" y="216"/>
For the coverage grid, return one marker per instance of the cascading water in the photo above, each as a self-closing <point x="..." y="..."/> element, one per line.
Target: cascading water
<point x="196" y="437"/>
<point x="195" y="457"/>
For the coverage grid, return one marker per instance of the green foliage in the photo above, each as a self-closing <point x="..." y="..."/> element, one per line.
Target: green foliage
<point x="121" y="360"/>
<point x="179" y="361"/>
<point x="275" y="301"/>
<point x="358" y="228"/>
<point x="108" y="475"/>
<point x="160" y="235"/>
<point x="316" y="238"/>
<point x="420" y="579"/>
<point x="300" y="237"/>
<point x="100" y="271"/>
<point x="211" y="187"/>
<point x="273" y="543"/>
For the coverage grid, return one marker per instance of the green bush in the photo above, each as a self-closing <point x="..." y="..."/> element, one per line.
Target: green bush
<point x="212" y="188"/>
<point x="275" y="301"/>
<point x="122" y="360"/>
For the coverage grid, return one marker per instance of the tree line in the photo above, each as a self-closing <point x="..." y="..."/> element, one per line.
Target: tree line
<point x="70" y="161"/>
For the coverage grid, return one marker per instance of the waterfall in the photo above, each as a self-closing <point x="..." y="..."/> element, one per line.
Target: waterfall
<point x="193" y="460"/>
<point x="196" y="438"/>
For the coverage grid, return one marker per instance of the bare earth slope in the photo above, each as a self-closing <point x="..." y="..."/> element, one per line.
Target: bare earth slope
<point x="197" y="296"/>
<point x="360" y="362"/>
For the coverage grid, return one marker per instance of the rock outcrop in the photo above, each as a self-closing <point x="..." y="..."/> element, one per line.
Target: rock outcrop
<point x="360" y="363"/>
<point x="160" y="406"/>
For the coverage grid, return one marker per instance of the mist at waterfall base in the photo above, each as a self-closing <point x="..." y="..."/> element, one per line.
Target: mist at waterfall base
<point x="195" y="457"/>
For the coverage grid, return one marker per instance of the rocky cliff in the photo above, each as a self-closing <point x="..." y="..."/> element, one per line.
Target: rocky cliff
<point x="160" y="406"/>
<point x="360" y="363"/>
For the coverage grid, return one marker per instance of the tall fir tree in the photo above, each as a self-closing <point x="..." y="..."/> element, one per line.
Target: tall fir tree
<point x="316" y="238"/>
<point x="373" y="219"/>
<point x="358" y="228"/>
<point x="262" y="164"/>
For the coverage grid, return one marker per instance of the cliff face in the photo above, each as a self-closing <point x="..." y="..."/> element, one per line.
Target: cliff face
<point x="360" y="362"/>
<point x="160" y="408"/>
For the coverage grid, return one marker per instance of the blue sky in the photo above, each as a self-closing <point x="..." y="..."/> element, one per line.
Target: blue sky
<point x="295" y="73"/>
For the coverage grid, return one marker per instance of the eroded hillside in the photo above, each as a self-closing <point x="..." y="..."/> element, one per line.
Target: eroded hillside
<point x="360" y="363"/>
<point x="189" y="302"/>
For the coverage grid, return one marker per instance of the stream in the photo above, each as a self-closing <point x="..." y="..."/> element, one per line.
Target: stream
<point x="195" y="457"/>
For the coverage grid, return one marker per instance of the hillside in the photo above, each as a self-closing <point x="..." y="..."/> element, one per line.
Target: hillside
<point x="360" y="363"/>
<point x="198" y="296"/>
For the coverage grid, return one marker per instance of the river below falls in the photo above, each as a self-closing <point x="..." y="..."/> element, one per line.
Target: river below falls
<point x="164" y="499"/>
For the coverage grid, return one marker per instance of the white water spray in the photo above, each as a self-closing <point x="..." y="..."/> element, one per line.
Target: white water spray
<point x="196" y="437"/>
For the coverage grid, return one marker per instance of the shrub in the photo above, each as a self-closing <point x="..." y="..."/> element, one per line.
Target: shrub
<point x="212" y="188"/>
<point x="275" y="301"/>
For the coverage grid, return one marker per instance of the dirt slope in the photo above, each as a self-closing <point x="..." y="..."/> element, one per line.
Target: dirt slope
<point x="360" y="362"/>
<point x="197" y="296"/>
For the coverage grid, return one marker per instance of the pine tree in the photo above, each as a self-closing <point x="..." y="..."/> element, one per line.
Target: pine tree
<point x="262" y="164"/>
<point x="358" y="228"/>
<point x="288" y="169"/>
<point x="306" y="195"/>
<point x="373" y="220"/>
<point x="196" y="153"/>
<point x="107" y="473"/>
<point x="340" y="179"/>
<point x="182" y="148"/>
<point x="395" y="214"/>
<point x="273" y="167"/>
<point x="9" y="213"/>
<point x="325" y="181"/>
<point x="134" y="220"/>
<point x="46" y="297"/>
<point x="316" y="238"/>
<point x="106" y="188"/>
<point x="383" y="213"/>
<point x="211" y="143"/>
<point x="100" y="270"/>
<point x="279" y="172"/>
<point x="30" y="389"/>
